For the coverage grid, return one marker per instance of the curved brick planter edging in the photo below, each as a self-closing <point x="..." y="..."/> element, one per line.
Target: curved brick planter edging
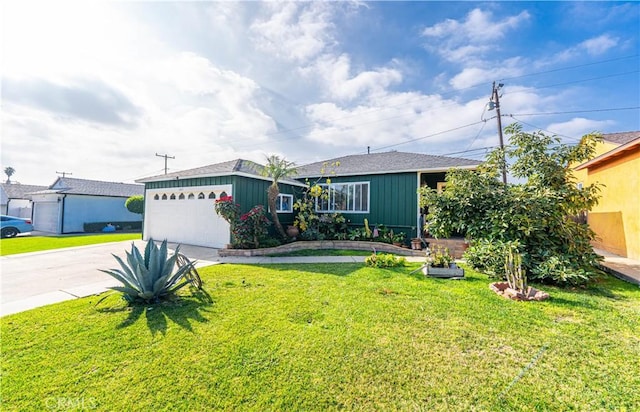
<point x="502" y="288"/>
<point x="324" y="244"/>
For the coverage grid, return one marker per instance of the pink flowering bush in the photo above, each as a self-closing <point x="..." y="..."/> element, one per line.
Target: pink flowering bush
<point x="251" y="228"/>
<point x="229" y="210"/>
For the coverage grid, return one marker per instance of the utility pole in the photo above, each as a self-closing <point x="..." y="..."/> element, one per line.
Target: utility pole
<point x="495" y="98"/>
<point x="165" y="160"/>
<point x="64" y="173"/>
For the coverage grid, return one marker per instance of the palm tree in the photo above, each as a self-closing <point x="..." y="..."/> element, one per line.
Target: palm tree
<point x="277" y="169"/>
<point x="9" y="171"/>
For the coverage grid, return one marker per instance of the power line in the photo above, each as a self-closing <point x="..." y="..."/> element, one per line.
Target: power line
<point x="427" y="136"/>
<point x="577" y="81"/>
<point x="544" y="130"/>
<point x="612" y="109"/>
<point x="571" y="67"/>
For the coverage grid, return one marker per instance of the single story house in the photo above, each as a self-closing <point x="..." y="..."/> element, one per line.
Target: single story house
<point x="616" y="217"/>
<point x="15" y="199"/>
<point x="68" y="204"/>
<point x="380" y="187"/>
<point x="179" y="206"/>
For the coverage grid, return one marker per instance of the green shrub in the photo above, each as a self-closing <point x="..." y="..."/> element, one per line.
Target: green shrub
<point x="384" y="260"/>
<point x="558" y="270"/>
<point x="135" y="204"/>
<point x="486" y="256"/>
<point x="150" y="277"/>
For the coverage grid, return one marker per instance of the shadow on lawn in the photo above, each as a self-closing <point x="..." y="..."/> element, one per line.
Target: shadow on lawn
<point x="182" y="310"/>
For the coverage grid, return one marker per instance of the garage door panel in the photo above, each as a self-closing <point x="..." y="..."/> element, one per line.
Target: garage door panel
<point x="189" y="221"/>
<point x="45" y="216"/>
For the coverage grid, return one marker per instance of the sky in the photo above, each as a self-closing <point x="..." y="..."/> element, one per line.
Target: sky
<point x="102" y="90"/>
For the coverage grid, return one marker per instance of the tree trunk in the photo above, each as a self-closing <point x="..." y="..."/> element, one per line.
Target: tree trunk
<point x="272" y="196"/>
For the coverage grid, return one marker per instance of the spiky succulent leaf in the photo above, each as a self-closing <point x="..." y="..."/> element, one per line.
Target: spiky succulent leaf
<point x="147" y="295"/>
<point x="180" y="273"/>
<point x="154" y="264"/>
<point x="137" y="255"/>
<point x="147" y="251"/>
<point x="127" y="291"/>
<point x="164" y="251"/>
<point x="126" y="269"/>
<point x="120" y="277"/>
<point x="180" y="286"/>
<point x="143" y="274"/>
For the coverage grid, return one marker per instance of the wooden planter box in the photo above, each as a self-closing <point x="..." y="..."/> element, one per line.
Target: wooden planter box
<point x="443" y="272"/>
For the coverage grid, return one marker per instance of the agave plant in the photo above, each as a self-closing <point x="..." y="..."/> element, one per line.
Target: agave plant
<point x="150" y="277"/>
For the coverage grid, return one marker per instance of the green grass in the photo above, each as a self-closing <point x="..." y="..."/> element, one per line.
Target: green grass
<point x="327" y="337"/>
<point x="323" y="252"/>
<point x="24" y="244"/>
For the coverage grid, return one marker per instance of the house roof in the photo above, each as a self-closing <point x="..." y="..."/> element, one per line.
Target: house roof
<point x="20" y="191"/>
<point x="387" y="162"/>
<point x="238" y="167"/>
<point x="74" y="186"/>
<point x="633" y="145"/>
<point x="621" y="138"/>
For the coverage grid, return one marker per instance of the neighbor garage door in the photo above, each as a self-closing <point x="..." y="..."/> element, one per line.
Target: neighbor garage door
<point x="186" y="215"/>
<point x="45" y="216"/>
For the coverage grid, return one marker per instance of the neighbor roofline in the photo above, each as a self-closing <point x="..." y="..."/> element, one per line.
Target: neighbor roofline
<point x="610" y="154"/>
<point x="384" y="172"/>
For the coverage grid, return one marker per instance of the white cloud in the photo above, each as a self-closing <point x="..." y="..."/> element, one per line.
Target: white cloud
<point x="476" y="35"/>
<point x="593" y="47"/>
<point x="485" y="72"/>
<point x="294" y="31"/>
<point x="578" y="127"/>
<point x="599" y="45"/>
<point x="337" y="75"/>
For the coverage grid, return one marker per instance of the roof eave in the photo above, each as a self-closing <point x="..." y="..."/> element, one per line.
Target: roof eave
<point x="384" y="172"/>
<point x="632" y="145"/>
<point x="203" y="175"/>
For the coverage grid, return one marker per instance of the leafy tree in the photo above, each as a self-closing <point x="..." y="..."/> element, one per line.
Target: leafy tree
<point x="277" y="169"/>
<point x="9" y="171"/>
<point x="539" y="214"/>
<point x="135" y="204"/>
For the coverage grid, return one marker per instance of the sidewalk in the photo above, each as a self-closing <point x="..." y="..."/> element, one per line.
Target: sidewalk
<point x="620" y="267"/>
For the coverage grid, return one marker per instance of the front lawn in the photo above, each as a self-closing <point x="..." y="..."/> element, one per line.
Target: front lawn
<point x="327" y="337"/>
<point x="24" y="244"/>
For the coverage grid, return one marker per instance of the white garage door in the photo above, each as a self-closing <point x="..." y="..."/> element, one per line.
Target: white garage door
<point x="186" y="215"/>
<point x="45" y="216"/>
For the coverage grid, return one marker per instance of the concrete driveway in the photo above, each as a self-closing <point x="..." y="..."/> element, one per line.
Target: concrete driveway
<point x="36" y="279"/>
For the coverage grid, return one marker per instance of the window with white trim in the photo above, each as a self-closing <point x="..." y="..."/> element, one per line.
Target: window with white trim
<point x="351" y="197"/>
<point x="284" y="203"/>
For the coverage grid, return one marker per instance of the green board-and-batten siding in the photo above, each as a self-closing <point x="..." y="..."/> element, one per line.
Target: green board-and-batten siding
<point x="393" y="201"/>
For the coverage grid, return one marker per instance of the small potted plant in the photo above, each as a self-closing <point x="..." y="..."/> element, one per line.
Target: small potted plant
<point x="441" y="264"/>
<point x="398" y="238"/>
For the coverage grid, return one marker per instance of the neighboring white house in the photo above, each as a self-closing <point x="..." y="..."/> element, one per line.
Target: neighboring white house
<point x="15" y="199"/>
<point x="69" y="203"/>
